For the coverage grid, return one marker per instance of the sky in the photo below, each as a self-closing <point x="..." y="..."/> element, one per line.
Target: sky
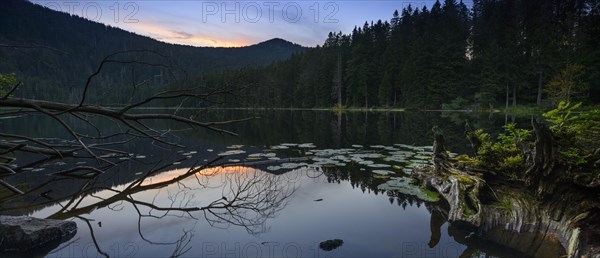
<point x="233" y="23"/>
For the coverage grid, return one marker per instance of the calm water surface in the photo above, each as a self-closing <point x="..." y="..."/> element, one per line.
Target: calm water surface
<point x="261" y="207"/>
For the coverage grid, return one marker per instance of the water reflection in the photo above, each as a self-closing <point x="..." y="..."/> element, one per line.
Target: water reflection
<point x="138" y="209"/>
<point x="222" y="196"/>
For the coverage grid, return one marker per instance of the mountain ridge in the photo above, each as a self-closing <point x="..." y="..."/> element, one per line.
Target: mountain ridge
<point x="54" y="52"/>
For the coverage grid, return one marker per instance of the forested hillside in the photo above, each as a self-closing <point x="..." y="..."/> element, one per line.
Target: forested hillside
<point x="449" y="55"/>
<point x="53" y="53"/>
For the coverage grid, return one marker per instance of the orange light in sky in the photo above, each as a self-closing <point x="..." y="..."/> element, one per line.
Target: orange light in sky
<point x="165" y="34"/>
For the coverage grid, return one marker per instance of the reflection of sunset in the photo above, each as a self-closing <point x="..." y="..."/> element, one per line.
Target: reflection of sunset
<point x="207" y="172"/>
<point x="165" y="34"/>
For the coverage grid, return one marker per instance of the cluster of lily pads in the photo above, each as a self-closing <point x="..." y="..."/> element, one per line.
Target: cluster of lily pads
<point x="392" y="163"/>
<point x="379" y="159"/>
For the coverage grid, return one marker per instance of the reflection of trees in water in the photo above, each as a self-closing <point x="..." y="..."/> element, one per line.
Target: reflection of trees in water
<point x="365" y="181"/>
<point x="248" y="199"/>
<point x="330" y="129"/>
<point x="472" y="238"/>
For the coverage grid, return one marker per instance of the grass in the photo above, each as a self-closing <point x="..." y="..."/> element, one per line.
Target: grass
<point x="433" y="196"/>
<point x="505" y="203"/>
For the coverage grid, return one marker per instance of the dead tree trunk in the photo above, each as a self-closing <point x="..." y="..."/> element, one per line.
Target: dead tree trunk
<point x="440" y="157"/>
<point x="542" y="173"/>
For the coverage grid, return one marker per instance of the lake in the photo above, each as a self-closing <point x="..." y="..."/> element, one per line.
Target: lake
<point x="289" y="181"/>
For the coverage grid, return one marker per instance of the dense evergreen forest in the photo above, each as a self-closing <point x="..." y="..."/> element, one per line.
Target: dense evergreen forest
<point x="53" y="53"/>
<point x="486" y="55"/>
<point x="447" y="56"/>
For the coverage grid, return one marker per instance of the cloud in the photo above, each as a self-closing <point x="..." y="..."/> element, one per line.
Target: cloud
<point x="165" y="33"/>
<point x="181" y="34"/>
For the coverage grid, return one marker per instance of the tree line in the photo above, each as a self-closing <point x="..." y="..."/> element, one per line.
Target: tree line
<point x="450" y="55"/>
<point x="52" y="53"/>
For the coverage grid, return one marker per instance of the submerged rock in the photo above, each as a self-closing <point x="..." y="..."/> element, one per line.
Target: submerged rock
<point x="329" y="245"/>
<point x="27" y="234"/>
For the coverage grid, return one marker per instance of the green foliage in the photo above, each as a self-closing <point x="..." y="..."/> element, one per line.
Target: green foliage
<point x="7" y="82"/>
<point x="505" y="203"/>
<point x="568" y="84"/>
<point x="578" y="133"/>
<point x="503" y="155"/>
<point x="431" y="195"/>
<point x="465" y="159"/>
<point x="574" y="156"/>
<point x="515" y="135"/>
<point x="562" y="120"/>
<point x="457" y="104"/>
<point x="339" y="108"/>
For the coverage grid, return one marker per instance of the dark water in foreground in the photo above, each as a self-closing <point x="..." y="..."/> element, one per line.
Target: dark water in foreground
<point x="264" y="207"/>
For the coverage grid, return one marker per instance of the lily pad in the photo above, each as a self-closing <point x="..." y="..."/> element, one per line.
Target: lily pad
<point x="273" y="168"/>
<point x="383" y="172"/>
<point x="365" y="162"/>
<point x="381" y="176"/>
<point x="255" y="155"/>
<point x="422" y="157"/>
<point x="232" y="152"/>
<point x="307" y="145"/>
<point x="395" y="159"/>
<point x="379" y="165"/>
<point x="402" y="152"/>
<point x="406" y="186"/>
<point x="416" y="165"/>
<point x="366" y="155"/>
<point x="407" y="170"/>
<point x="292" y="165"/>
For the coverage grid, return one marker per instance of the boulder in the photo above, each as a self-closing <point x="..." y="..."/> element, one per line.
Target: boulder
<point x="329" y="245"/>
<point x="26" y="234"/>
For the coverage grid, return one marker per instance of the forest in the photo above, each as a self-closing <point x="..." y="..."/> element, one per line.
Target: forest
<point x="96" y="136"/>
<point x="451" y="56"/>
<point x="52" y="53"/>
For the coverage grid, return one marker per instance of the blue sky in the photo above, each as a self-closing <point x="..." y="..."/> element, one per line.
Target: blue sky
<point x="233" y="23"/>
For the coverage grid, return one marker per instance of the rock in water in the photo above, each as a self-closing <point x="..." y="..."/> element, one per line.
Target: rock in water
<point x="27" y="234"/>
<point x="329" y="245"/>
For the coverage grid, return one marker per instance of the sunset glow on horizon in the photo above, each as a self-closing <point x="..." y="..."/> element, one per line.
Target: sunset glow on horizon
<point x="232" y="23"/>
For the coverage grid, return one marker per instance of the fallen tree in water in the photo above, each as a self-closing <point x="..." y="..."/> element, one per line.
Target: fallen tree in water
<point x="539" y="187"/>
